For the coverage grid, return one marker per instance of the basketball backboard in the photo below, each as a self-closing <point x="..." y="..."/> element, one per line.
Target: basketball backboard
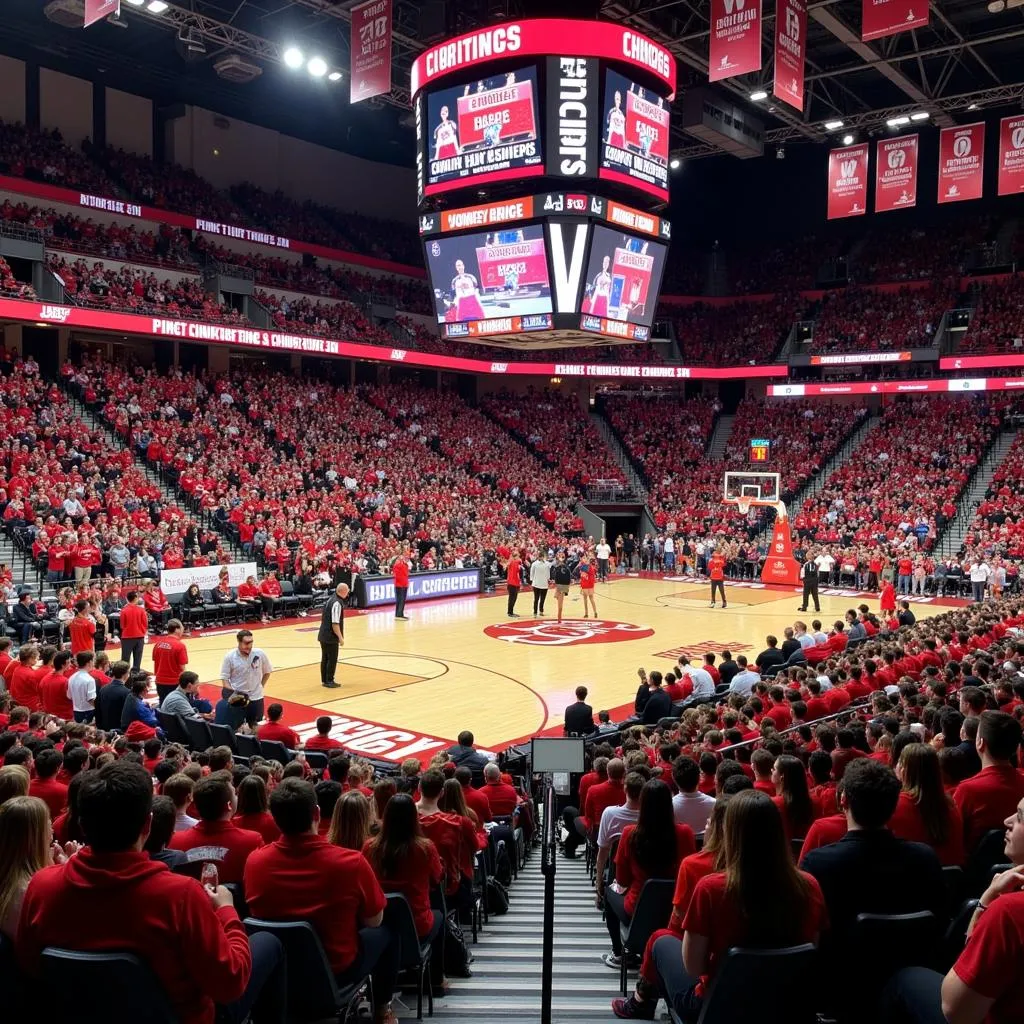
<point x="751" y="488"/>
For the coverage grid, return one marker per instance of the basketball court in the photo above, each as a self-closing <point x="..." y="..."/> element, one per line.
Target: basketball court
<point x="408" y="688"/>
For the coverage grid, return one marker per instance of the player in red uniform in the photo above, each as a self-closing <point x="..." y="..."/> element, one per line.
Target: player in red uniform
<point x="465" y="290"/>
<point x="716" y="571"/>
<point x="446" y="138"/>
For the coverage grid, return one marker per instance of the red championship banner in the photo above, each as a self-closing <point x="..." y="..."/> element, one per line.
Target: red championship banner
<point x="735" y="47"/>
<point x="513" y="265"/>
<point x="647" y="127"/>
<point x="896" y="174"/>
<point x="371" y="50"/>
<point x="887" y="17"/>
<point x="790" y="51"/>
<point x="848" y="182"/>
<point x="492" y="116"/>
<point x="961" y="162"/>
<point x="97" y="10"/>
<point x="1011" y="156"/>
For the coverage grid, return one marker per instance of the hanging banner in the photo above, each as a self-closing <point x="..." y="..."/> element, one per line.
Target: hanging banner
<point x="790" y="51"/>
<point x="1011" y="156"/>
<point x="887" y="17"/>
<point x="735" y="47"/>
<point x="961" y="162"/>
<point x="97" y="10"/>
<point x="896" y="174"/>
<point x="848" y="182"/>
<point x="371" y="50"/>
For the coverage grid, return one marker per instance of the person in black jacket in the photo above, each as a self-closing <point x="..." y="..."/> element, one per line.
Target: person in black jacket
<point x="727" y="669"/>
<point x="579" y="717"/>
<point x="659" y="703"/>
<point x="26" y="618"/>
<point x="111" y="697"/>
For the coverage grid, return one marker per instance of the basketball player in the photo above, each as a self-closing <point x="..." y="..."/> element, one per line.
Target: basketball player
<point x="446" y="138"/>
<point x="561" y="576"/>
<point x="716" y="572"/>
<point x="601" y="290"/>
<point x="588" y="578"/>
<point x="513" y="581"/>
<point x="617" y="123"/>
<point x="467" y="296"/>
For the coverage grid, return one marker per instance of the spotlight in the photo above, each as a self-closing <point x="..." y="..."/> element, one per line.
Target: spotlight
<point x="897" y="122"/>
<point x="156" y="6"/>
<point x="833" y="126"/>
<point x="317" y="67"/>
<point x="675" y="163"/>
<point x="920" y="115"/>
<point x="334" y="76"/>
<point x="973" y="106"/>
<point x="780" y="153"/>
<point x="293" y="57"/>
<point x="848" y="139"/>
<point x="137" y="3"/>
<point x="758" y="95"/>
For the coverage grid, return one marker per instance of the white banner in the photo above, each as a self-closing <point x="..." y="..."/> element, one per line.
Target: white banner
<point x="177" y="581"/>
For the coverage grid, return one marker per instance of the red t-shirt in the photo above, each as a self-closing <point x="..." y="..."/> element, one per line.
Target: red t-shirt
<point x="716" y="916"/>
<point x="221" y="842"/>
<point x="478" y="803"/>
<point x="603" y="795"/>
<point x="83" y="634"/>
<point x="514" y="569"/>
<point x="824" y="832"/>
<point x="323" y="743"/>
<point x="170" y="657"/>
<point x="987" y="799"/>
<point x="260" y="821"/>
<point x="53" y="693"/>
<point x="200" y="956"/>
<point x="305" y="878"/>
<point x="502" y="797"/>
<point x="692" y="869"/>
<point x="990" y="962"/>
<point x="631" y="875"/>
<point x="134" y="622"/>
<point x="24" y="686"/>
<point x="907" y="822"/>
<point x="455" y="839"/>
<point x="53" y="793"/>
<point x="420" y="869"/>
<point x="275" y="731"/>
<point x="716" y="567"/>
<point x="401" y="571"/>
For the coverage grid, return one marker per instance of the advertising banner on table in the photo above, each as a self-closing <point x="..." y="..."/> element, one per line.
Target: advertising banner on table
<point x="177" y="581"/>
<point x="896" y="174"/>
<point x="790" y="51"/>
<point x="1011" y="156"/>
<point x="735" y="47"/>
<point x="378" y="590"/>
<point x="961" y="162"/>
<point x="848" y="182"/>
<point x="881" y="18"/>
<point x="97" y="10"/>
<point x="371" y="50"/>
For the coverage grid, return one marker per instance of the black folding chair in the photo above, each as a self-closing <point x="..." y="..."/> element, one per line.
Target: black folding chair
<point x="652" y="912"/>
<point x="414" y="955"/>
<point x="275" y="750"/>
<point x="247" y="746"/>
<point x="174" y="728"/>
<point x="199" y="735"/>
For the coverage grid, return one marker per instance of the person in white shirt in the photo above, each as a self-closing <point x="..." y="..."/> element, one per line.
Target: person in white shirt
<point x="980" y="574"/>
<point x="540" y="580"/>
<point x="246" y="670"/>
<point x="603" y="552"/>
<point x="615" y="819"/>
<point x="670" y="552"/>
<point x="816" y="634"/>
<point x="82" y="688"/>
<point x="825" y="563"/>
<point x="800" y="633"/>
<point x="703" y="682"/>
<point x="689" y="805"/>
<point x="745" y="680"/>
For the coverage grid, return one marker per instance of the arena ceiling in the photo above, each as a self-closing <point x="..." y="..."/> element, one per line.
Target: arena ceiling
<point x="967" y="59"/>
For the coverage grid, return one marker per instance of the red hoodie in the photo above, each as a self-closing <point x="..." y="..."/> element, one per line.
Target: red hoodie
<point x="199" y="955"/>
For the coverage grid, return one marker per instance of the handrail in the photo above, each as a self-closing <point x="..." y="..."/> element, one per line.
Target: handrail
<point x="850" y="708"/>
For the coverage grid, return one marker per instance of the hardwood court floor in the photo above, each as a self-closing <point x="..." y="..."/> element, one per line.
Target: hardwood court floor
<point x="442" y="672"/>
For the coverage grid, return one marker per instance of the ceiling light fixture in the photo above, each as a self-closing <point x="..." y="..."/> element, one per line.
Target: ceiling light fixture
<point x="334" y="76"/>
<point x="973" y="106"/>
<point x="896" y="122"/>
<point x="848" y="139"/>
<point x="758" y="95"/>
<point x="317" y="67"/>
<point x="833" y="126"/>
<point x="293" y="57"/>
<point x="920" y="115"/>
<point x="137" y="3"/>
<point x="157" y="6"/>
<point x="675" y="163"/>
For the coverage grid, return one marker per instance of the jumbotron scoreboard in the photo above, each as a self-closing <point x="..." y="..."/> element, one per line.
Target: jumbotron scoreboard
<point x="540" y="180"/>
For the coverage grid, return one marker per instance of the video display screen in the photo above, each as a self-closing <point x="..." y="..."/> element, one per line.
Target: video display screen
<point x="634" y="136"/>
<point x="623" y="277"/>
<point x="493" y="275"/>
<point x="483" y="131"/>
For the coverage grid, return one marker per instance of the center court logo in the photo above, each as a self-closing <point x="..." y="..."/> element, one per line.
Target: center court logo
<point x="567" y="633"/>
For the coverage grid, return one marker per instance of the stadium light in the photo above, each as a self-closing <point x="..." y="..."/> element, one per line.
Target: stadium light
<point x="848" y="139"/>
<point x="317" y="67"/>
<point x="920" y="115"/>
<point x="334" y="76"/>
<point x="758" y="94"/>
<point x="898" y="122"/>
<point x="833" y="126"/>
<point x="137" y="3"/>
<point x="157" y="6"/>
<point x="675" y="163"/>
<point x="293" y="57"/>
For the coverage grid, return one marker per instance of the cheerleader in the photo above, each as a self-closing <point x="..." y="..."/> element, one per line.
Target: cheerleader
<point x="446" y="138"/>
<point x="617" y="123"/>
<point x="467" y="296"/>
<point x="601" y="290"/>
<point x="588" y="578"/>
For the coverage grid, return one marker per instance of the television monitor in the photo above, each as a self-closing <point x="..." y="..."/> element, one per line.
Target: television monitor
<point x="634" y="136"/>
<point x="623" y="277"/>
<point x="483" y="131"/>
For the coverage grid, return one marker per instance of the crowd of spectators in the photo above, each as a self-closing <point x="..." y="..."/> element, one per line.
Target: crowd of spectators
<point x="735" y="333"/>
<point x="866" y="320"/>
<point x="44" y="156"/>
<point x="997" y="321"/>
<point x="998" y="525"/>
<point x="10" y="286"/>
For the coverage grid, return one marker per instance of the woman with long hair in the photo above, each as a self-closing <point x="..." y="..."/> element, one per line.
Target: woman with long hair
<point x="644" y="1001"/>
<point x="383" y="791"/>
<point x="652" y="848"/>
<point x="453" y="801"/>
<point x="350" y="822"/>
<point x="26" y="846"/>
<point x="67" y="827"/>
<point x="253" y="812"/>
<point x="925" y="812"/>
<point x="758" y="899"/>
<point x="14" y="781"/>
<point x="792" y="797"/>
<point x="405" y="861"/>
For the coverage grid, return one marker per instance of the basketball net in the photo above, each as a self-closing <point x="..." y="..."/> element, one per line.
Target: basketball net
<point x="743" y="504"/>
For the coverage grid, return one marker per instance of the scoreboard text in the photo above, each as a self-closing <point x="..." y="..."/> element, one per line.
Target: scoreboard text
<point x="760" y="449"/>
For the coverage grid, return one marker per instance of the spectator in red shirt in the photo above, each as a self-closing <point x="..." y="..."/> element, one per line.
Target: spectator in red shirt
<point x="251" y="812"/>
<point x="216" y="838"/>
<point x="82" y="629"/>
<point x="303" y="877"/>
<point x="45" y="785"/>
<point x="759" y="899"/>
<point x="763" y="764"/>
<point x="987" y="799"/>
<point x="793" y="798"/>
<point x="170" y="656"/>
<point x="272" y="729"/>
<point x="845" y="751"/>
<point x="925" y="813"/>
<point x="453" y="835"/>
<point x="26" y="677"/>
<point x="405" y="861"/>
<point x="500" y="795"/>
<point x="53" y="688"/>
<point x="157" y="606"/>
<point x="134" y="624"/>
<point x="190" y="937"/>
<point x="322" y="740"/>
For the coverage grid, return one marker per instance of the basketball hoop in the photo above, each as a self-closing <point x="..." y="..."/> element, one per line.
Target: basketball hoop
<point x="743" y="504"/>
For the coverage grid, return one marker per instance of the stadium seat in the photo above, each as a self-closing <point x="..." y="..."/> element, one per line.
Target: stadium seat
<point x="247" y="746"/>
<point x="956" y="934"/>
<point x="174" y="728"/>
<point x="113" y="979"/>
<point x="652" y="912"/>
<point x="199" y="735"/>
<point x="313" y="994"/>
<point x="980" y="861"/>
<point x="288" y="599"/>
<point x="274" y="750"/>
<point x="415" y="955"/>
<point x="317" y="760"/>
